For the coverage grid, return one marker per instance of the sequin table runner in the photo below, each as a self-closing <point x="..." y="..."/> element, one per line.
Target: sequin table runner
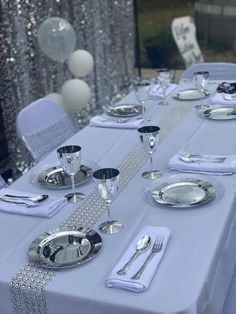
<point x="27" y="287"/>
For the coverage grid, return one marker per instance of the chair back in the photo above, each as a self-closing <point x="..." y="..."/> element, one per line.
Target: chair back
<point x="184" y="33"/>
<point x="217" y="70"/>
<point x="42" y="126"/>
<point x="3" y="183"/>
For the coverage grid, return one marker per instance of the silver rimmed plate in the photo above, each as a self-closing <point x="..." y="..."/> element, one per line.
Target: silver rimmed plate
<point x="125" y="110"/>
<point x="52" y="176"/>
<point x="183" y="191"/>
<point x="62" y="249"/>
<point x="190" y="94"/>
<point x="220" y="113"/>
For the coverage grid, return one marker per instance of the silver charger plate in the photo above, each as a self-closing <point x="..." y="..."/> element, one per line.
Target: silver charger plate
<point x="57" y="249"/>
<point x="183" y="190"/>
<point x="124" y="110"/>
<point x="220" y="113"/>
<point x="52" y="176"/>
<point x="190" y="94"/>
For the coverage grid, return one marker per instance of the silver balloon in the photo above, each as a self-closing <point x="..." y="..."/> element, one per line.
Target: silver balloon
<point x="56" y="38"/>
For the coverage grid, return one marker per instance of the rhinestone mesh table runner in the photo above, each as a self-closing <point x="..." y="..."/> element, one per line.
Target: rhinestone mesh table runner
<point x="27" y="287"/>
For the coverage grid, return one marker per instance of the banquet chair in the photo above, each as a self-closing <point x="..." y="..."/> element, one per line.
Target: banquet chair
<point x="217" y="70"/>
<point x="42" y="126"/>
<point x="2" y="182"/>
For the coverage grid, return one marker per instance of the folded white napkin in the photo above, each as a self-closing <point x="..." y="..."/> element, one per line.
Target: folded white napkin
<point x="142" y="284"/>
<point x="120" y="123"/>
<point x="157" y="93"/>
<point x="220" y="98"/>
<point x="46" y="208"/>
<point x="228" y="166"/>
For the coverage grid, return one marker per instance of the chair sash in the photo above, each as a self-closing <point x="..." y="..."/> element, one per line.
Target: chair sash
<point x="46" y="139"/>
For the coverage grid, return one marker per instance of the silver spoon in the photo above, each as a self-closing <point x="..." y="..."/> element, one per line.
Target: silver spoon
<point x="140" y="248"/>
<point x="34" y="199"/>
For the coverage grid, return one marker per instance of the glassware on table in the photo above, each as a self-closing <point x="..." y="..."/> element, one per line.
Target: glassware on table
<point x="70" y="158"/>
<point x="201" y="82"/>
<point x="142" y="90"/>
<point x="164" y="78"/>
<point x="107" y="180"/>
<point x="149" y="137"/>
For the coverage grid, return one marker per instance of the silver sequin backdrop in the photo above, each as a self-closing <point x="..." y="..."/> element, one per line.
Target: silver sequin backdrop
<point x="105" y="28"/>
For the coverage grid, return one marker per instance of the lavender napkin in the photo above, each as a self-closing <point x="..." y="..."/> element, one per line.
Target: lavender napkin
<point x="223" y="99"/>
<point x="120" y="123"/>
<point x="142" y="284"/>
<point x="46" y="208"/>
<point x="228" y="166"/>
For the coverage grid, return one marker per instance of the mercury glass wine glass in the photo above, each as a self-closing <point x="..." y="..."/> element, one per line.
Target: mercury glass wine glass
<point x="149" y="136"/>
<point x="142" y="90"/>
<point x="201" y="81"/>
<point x="107" y="184"/>
<point x="164" y="77"/>
<point x="70" y="159"/>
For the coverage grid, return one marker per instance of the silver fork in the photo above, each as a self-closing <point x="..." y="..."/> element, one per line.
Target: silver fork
<point x="157" y="247"/>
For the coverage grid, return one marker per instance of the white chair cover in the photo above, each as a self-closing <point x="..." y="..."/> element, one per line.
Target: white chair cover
<point x="217" y="70"/>
<point x="42" y="126"/>
<point x="2" y="182"/>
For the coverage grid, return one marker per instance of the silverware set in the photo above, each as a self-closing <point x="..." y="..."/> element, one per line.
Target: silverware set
<point x="27" y="201"/>
<point x="191" y="158"/>
<point x="142" y="246"/>
<point x="119" y="120"/>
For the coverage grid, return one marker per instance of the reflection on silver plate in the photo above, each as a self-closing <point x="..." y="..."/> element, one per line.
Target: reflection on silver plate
<point x="125" y="110"/>
<point x="184" y="192"/>
<point x="52" y="176"/>
<point x="62" y="249"/>
<point x="220" y="113"/>
<point x="190" y="94"/>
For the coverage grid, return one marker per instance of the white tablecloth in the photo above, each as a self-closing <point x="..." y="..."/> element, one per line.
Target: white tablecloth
<point x="196" y="269"/>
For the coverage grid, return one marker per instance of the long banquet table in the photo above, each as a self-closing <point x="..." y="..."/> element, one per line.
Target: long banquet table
<point x="195" y="273"/>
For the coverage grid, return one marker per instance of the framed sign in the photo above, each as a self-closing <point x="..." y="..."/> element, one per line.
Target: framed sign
<point x="184" y="33"/>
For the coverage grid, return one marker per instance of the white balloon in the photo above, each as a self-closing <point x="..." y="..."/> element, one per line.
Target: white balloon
<point x="56" y="97"/>
<point x="56" y="38"/>
<point x="76" y="93"/>
<point x="80" y="63"/>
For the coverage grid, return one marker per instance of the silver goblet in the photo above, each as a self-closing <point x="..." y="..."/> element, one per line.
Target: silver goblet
<point x="201" y="82"/>
<point x="107" y="184"/>
<point x="164" y="78"/>
<point x="149" y="136"/>
<point x="70" y="159"/>
<point x="142" y="90"/>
